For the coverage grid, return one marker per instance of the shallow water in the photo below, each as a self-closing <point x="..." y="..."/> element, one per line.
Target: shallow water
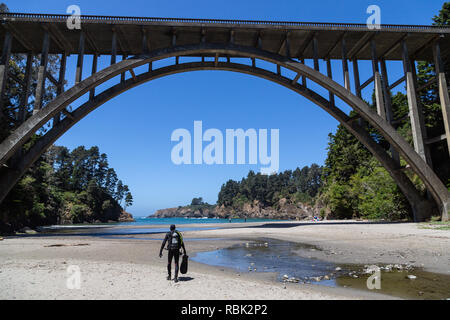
<point x="106" y="232"/>
<point x="427" y="285"/>
<point x="269" y="255"/>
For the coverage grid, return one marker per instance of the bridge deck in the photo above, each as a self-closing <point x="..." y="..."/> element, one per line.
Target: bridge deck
<point x="28" y="31"/>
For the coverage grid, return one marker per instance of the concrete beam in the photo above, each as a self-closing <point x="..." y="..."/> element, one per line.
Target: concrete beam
<point x="25" y="90"/>
<point x="295" y="80"/>
<point x="396" y="83"/>
<point x="358" y="89"/>
<point x="59" y="36"/>
<point x="316" y="52"/>
<point x="94" y="70"/>
<point x="415" y="108"/>
<point x="377" y="79"/>
<point x="394" y="46"/>
<point x="80" y="59"/>
<point x="4" y="68"/>
<point x="113" y="46"/>
<point x="338" y="41"/>
<point x="145" y="47"/>
<point x="21" y="38"/>
<point x="443" y="90"/>
<point x="367" y="82"/>
<point x="305" y="44"/>
<point x="52" y="79"/>
<point x="345" y="65"/>
<point x="330" y="75"/>
<point x="428" y="84"/>
<point x="42" y="73"/>
<point x="302" y="61"/>
<point x="122" y="75"/>
<point x="60" y="85"/>
<point x="362" y="43"/>
<point x="388" y="105"/>
<point x="91" y="41"/>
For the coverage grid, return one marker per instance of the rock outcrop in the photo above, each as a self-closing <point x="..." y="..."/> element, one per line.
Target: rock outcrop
<point x="284" y="209"/>
<point x="126" y="217"/>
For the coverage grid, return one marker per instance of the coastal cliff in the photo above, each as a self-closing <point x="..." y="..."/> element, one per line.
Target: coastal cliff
<point x="126" y="217"/>
<point x="283" y="209"/>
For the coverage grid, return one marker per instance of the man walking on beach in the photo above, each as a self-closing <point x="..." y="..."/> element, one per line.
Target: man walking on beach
<point x="175" y="243"/>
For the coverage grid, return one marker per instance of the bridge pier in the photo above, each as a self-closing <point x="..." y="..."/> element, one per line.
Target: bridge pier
<point x="40" y="87"/>
<point x="379" y="100"/>
<point x="94" y="70"/>
<point x="443" y="90"/>
<point x="60" y="86"/>
<point x="345" y="65"/>
<point x="415" y="108"/>
<point x="4" y="68"/>
<point x="25" y="90"/>
<point x="388" y="105"/>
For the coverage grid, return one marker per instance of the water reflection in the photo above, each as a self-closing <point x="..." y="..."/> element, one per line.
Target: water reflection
<point x="269" y="255"/>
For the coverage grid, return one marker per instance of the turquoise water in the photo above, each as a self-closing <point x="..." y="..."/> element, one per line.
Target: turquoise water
<point x="177" y="221"/>
<point x="126" y="228"/>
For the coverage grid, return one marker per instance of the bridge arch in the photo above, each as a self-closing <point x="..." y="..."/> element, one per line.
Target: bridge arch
<point x="420" y="206"/>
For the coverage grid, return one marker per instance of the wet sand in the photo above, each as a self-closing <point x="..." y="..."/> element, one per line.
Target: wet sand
<point x="36" y="267"/>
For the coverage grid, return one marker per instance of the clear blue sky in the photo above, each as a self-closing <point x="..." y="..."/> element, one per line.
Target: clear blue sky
<point x="134" y="129"/>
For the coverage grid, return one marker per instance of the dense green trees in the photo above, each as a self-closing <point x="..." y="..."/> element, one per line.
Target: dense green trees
<point x="65" y="186"/>
<point x="355" y="184"/>
<point x="298" y="185"/>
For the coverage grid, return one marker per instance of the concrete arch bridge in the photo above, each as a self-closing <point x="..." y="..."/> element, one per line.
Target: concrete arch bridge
<point x="214" y="45"/>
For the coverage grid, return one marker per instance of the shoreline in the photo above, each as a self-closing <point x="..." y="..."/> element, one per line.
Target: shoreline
<point x="110" y="267"/>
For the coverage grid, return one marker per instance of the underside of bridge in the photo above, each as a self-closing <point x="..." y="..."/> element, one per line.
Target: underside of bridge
<point x="215" y="44"/>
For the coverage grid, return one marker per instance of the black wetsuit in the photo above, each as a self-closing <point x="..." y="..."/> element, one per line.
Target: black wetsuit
<point x="175" y="243"/>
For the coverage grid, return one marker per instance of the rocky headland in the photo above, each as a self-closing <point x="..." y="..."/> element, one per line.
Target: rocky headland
<point x="284" y="209"/>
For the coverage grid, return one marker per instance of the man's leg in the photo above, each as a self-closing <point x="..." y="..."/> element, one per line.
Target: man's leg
<point x="169" y="264"/>
<point x="176" y="255"/>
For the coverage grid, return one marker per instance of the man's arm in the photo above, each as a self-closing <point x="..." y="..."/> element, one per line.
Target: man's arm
<point x="163" y="244"/>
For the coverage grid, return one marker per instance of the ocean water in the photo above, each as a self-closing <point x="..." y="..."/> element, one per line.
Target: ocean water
<point x="177" y="221"/>
<point x="140" y="227"/>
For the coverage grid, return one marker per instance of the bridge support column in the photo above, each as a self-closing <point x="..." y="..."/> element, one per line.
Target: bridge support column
<point x="288" y="46"/>
<point x="26" y="90"/>
<point x="145" y="47"/>
<point x="345" y="65"/>
<point x="94" y="70"/>
<point x="80" y="59"/>
<point x="42" y="74"/>
<point x="443" y="91"/>
<point x="315" y="53"/>
<point x="330" y="75"/>
<point x="358" y="90"/>
<point x="4" y="66"/>
<point x="60" y="86"/>
<point x="415" y="108"/>
<point x="377" y="82"/>
<point x="113" y="47"/>
<point x="122" y="75"/>
<point x="356" y="78"/>
<point x="302" y="60"/>
<point x="388" y="105"/>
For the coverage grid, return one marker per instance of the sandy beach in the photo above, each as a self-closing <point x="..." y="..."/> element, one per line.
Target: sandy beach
<point x="36" y="267"/>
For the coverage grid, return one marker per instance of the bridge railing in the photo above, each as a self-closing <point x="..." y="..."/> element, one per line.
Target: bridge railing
<point x="113" y="19"/>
